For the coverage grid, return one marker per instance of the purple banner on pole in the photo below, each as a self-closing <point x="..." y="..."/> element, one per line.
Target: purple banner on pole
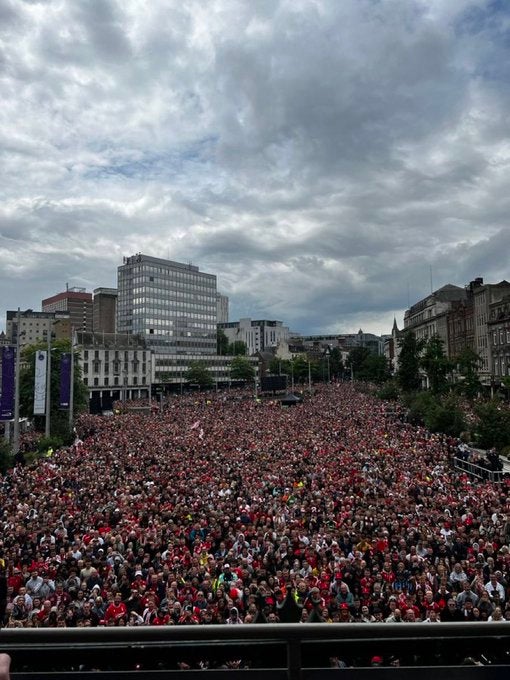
<point x="8" y="371"/>
<point x="65" y="380"/>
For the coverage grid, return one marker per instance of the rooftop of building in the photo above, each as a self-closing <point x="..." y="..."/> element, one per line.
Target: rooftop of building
<point x="106" y="291"/>
<point x="71" y="294"/>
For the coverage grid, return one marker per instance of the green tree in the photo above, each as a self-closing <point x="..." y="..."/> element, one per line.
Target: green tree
<point x="389" y="391"/>
<point x="279" y="366"/>
<point x="436" y="364"/>
<point x="493" y="428"/>
<point x="408" y="373"/>
<point x="300" y="368"/>
<point x="355" y="360"/>
<point x="374" y="368"/>
<point x="336" y="365"/>
<point x="505" y="381"/>
<point x="241" y="369"/>
<point x="199" y="374"/>
<point x="237" y="348"/>
<point x="59" y="419"/>
<point x="221" y="342"/>
<point x="467" y="365"/>
<point x="446" y="417"/>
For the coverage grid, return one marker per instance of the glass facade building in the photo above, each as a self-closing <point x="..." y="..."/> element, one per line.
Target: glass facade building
<point x="173" y="305"/>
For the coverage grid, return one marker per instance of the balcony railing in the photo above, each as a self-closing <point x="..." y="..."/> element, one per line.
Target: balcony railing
<point x="271" y="651"/>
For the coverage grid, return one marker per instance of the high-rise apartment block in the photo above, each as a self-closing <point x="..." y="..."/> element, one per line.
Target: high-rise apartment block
<point x="172" y="305"/>
<point x="77" y="302"/>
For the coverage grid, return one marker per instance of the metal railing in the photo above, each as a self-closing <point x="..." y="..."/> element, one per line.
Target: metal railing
<point x="272" y="651"/>
<point x="478" y="471"/>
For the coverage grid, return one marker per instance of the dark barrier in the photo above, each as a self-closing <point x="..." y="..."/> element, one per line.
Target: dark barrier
<point x="271" y="651"/>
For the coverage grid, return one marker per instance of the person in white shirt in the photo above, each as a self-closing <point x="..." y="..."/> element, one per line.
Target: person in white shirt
<point x="494" y="586"/>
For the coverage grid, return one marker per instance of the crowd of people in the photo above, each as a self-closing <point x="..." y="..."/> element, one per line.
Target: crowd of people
<point x="223" y="509"/>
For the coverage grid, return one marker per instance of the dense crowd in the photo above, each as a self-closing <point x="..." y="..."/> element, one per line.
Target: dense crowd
<point x="223" y="509"/>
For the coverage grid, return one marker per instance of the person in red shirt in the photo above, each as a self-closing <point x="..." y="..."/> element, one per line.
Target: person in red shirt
<point x="116" y="610"/>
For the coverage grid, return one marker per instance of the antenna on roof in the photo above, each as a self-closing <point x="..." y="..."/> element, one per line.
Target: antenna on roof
<point x="431" y="284"/>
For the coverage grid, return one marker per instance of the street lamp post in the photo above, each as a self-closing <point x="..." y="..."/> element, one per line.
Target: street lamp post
<point x="71" y="387"/>
<point x="47" y="429"/>
<point x="327" y="352"/>
<point x="309" y="377"/>
<point x="125" y="386"/>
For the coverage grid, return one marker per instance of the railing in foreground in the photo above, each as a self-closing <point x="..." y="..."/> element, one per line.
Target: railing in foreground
<point x="270" y="651"/>
<point x="478" y="471"/>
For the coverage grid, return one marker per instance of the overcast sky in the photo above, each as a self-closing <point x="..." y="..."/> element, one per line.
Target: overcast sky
<point x="319" y="156"/>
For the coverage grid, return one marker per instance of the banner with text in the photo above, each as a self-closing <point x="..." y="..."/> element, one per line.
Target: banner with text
<point x="65" y="380"/>
<point x="41" y="362"/>
<point x="8" y="373"/>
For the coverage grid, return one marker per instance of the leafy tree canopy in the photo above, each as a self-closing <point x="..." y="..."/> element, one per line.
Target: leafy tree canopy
<point x="237" y="348"/>
<point x="408" y="373"/>
<point x="241" y="369"/>
<point x="199" y="374"/>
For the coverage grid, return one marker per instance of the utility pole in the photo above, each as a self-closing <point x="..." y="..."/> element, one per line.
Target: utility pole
<point x="71" y="387"/>
<point x="47" y="428"/>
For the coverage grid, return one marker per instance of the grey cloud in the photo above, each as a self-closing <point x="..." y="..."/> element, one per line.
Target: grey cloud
<point x="317" y="156"/>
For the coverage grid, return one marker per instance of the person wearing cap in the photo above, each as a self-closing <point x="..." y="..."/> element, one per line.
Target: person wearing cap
<point x="227" y="576"/>
<point x="344" y="613"/>
<point x="376" y="661"/>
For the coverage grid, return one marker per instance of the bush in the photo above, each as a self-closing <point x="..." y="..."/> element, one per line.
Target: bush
<point x="49" y="442"/>
<point x="493" y="429"/>
<point x="446" y="418"/>
<point x="389" y="391"/>
<point x="419" y="404"/>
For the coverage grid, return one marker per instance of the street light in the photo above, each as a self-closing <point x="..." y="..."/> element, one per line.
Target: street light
<point x="71" y="387"/>
<point x="327" y="353"/>
<point x="47" y="428"/>
<point x="124" y="384"/>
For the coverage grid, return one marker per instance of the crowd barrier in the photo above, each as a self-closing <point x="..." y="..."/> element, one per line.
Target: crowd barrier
<point x="478" y="471"/>
<point x="274" y="651"/>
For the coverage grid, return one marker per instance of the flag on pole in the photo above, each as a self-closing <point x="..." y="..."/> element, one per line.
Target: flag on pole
<point x="8" y="372"/>
<point x="41" y="364"/>
<point x="65" y="381"/>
